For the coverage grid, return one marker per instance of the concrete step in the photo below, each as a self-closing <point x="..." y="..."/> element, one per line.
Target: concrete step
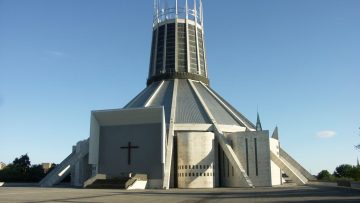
<point x="119" y="183"/>
<point x="133" y="181"/>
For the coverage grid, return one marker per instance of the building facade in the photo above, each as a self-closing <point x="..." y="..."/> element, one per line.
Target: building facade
<point x="178" y="131"/>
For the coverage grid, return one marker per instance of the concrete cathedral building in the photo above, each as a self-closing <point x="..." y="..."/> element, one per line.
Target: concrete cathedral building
<point x="178" y="132"/>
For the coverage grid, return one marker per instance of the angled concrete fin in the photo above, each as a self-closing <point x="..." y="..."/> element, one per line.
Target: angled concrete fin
<point x="294" y="163"/>
<point x="290" y="170"/>
<point x="64" y="168"/>
<point x="61" y="171"/>
<point x="170" y="141"/>
<point x="168" y="160"/>
<point x="229" y="152"/>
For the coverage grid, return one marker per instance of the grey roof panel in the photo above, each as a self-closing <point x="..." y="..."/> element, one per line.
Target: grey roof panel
<point x="220" y="114"/>
<point x="188" y="107"/>
<point x="134" y="99"/>
<point x="236" y="112"/>
<point x="164" y="98"/>
<point x="143" y="97"/>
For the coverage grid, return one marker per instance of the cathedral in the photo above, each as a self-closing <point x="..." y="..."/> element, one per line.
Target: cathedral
<point x="178" y="132"/>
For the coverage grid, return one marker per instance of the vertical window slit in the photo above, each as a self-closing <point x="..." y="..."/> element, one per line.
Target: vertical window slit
<point x="256" y="157"/>
<point x="247" y="156"/>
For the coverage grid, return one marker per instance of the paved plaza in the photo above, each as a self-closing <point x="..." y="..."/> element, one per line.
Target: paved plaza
<point x="278" y="194"/>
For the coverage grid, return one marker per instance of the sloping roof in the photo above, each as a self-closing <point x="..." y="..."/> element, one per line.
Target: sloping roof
<point x="189" y="109"/>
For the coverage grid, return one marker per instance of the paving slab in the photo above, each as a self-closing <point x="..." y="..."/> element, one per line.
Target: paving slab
<point x="311" y="193"/>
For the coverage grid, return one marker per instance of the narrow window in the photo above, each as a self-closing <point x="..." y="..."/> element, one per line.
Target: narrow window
<point x="228" y="167"/>
<point x="247" y="156"/>
<point x="223" y="161"/>
<point x="256" y="157"/>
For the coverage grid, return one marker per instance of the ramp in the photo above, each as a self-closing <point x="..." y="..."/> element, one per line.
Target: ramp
<point x="289" y="169"/>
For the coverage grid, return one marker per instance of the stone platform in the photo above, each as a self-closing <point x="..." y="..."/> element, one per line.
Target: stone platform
<point x="311" y="193"/>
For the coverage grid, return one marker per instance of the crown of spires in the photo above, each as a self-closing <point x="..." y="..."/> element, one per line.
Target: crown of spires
<point x="178" y="45"/>
<point x="178" y="9"/>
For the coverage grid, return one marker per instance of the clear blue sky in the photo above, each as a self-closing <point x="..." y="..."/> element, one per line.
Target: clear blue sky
<point x="298" y="61"/>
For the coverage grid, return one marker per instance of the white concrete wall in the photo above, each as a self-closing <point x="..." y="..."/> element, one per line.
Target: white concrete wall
<point x="261" y="177"/>
<point x="94" y="144"/>
<point x="121" y="117"/>
<point x="276" y="175"/>
<point x="196" y="157"/>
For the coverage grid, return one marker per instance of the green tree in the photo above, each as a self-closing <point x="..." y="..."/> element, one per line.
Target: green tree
<point x="355" y="173"/>
<point x="324" y="175"/>
<point x="23" y="163"/>
<point x="35" y="174"/>
<point x="11" y="173"/>
<point x="22" y="171"/>
<point x="343" y="171"/>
